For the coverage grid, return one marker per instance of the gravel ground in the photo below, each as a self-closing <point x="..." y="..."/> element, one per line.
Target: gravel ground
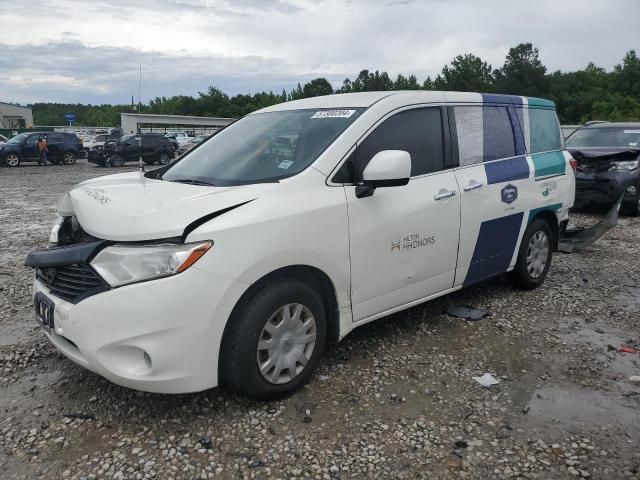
<point x="395" y="399"/>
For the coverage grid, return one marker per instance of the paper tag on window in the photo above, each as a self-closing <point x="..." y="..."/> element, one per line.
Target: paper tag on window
<point x="285" y="164"/>
<point x="632" y="131"/>
<point x="333" y="114"/>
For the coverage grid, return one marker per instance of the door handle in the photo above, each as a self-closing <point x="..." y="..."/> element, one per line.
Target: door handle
<point x="443" y="193"/>
<point x="472" y="185"/>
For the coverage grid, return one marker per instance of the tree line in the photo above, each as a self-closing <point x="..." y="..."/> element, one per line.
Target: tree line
<point x="588" y="94"/>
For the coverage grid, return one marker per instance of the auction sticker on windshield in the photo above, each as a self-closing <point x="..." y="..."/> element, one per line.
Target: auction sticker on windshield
<point x="333" y="114"/>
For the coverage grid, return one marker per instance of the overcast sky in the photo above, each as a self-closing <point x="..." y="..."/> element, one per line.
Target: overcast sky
<point x="89" y="51"/>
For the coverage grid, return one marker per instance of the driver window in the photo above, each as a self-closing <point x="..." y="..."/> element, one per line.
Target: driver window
<point x="417" y="131"/>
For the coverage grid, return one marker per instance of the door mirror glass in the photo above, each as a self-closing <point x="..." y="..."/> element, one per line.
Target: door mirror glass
<point x="388" y="168"/>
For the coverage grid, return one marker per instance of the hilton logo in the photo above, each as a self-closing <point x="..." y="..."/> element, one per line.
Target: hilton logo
<point x="509" y="193"/>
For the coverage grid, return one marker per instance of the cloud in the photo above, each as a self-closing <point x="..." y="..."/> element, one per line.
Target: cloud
<point x="69" y="50"/>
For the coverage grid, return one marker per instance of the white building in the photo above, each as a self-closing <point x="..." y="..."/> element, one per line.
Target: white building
<point x="15" y="116"/>
<point x="133" y="122"/>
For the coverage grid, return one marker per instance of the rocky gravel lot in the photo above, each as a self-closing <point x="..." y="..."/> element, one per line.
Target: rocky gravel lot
<point x="396" y="399"/>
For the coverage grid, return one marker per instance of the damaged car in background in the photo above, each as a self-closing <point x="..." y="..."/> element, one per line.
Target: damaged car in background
<point x="608" y="157"/>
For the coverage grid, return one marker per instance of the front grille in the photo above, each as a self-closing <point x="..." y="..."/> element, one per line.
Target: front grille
<point x="71" y="282"/>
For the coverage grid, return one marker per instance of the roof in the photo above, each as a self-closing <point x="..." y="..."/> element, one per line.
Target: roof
<point x="367" y="99"/>
<point x="14" y="105"/>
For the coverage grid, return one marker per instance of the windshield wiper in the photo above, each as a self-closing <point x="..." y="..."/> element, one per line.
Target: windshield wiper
<point x="191" y="181"/>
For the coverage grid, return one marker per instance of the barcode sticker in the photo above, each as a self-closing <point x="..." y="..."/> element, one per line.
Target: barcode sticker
<point x="333" y="114"/>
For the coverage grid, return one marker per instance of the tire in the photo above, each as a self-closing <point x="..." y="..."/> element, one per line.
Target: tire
<point x="164" y="158"/>
<point x="240" y="355"/>
<point x="533" y="264"/>
<point x="68" y="158"/>
<point x="117" y="161"/>
<point x="632" y="209"/>
<point x="12" y="160"/>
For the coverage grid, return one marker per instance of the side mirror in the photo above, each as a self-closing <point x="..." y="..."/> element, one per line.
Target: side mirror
<point x="388" y="168"/>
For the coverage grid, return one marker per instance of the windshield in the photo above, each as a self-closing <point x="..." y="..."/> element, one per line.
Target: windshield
<point x="263" y="147"/>
<point x="18" y="138"/>
<point x="605" y="137"/>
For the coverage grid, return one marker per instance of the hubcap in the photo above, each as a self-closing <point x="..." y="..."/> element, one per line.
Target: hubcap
<point x="68" y="158"/>
<point x="12" y="160"/>
<point x="286" y="343"/>
<point x="537" y="254"/>
<point x="164" y="159"/>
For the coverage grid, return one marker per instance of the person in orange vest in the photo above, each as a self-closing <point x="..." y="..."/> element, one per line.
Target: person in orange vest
<point x="42" y="147"/>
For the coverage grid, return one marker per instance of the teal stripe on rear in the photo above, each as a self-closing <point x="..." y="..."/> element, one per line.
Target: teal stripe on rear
<point x="536" y="211"/>
<point x="540" y="102"/>
<point x="549" y="163"/>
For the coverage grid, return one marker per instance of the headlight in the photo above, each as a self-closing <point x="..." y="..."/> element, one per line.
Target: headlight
<point x="122" y="264"/>
<point x="631" y="165"/>
<point x="53" y="236"/>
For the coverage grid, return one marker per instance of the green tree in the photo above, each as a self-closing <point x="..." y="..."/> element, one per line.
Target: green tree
<point x="317" y="87"/>
<point x="467" y="73"/>
<point x="522" y="73"/>
<point x="627" y="75"/>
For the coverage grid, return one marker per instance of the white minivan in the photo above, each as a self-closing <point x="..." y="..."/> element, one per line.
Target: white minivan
<point x="239" y="262"/>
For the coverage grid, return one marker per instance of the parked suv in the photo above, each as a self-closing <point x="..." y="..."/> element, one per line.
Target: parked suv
<point x="154" y="147"/>
<point x="62" y="147"/>
<point x="240" y="261"/>
<point x="608" y="164"/>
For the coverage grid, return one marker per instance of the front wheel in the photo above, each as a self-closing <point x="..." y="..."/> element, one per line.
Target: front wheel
<point x="274" y="340"/>
<point x="534" y="256"/>
<point x="12" y="160"/>
<point x="631" y="208"/>
<point x="116" y="160"/>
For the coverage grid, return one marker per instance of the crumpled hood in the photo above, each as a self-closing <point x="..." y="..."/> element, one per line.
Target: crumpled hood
<point x="599" y="159"/>
<point x="130" y="207"/>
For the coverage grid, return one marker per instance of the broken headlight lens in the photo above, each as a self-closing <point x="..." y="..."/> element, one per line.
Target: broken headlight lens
<point x="628" y="166"/>
<point x="123" y="264"/>
<point x="53" y="236"/>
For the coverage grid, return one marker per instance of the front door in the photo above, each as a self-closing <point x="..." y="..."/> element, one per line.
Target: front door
<point x="404" y="240"/>
<point x="30" y="150"/>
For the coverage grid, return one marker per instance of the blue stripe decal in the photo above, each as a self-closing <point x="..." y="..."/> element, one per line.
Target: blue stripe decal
<point x="495" y="98"/>
<point x="515" y="168"/>
<point x="494" y="249"/>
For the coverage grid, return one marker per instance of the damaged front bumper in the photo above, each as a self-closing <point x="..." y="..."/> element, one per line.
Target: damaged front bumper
<point x="605" y="188"/>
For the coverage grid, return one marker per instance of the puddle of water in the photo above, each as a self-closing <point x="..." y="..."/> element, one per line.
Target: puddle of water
<point x="585" y="409"/>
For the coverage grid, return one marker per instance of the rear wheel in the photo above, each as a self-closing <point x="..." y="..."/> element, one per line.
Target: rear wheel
<point x="12" y="160"/>
<point x="164" y="158"/>
<point x="274" y="340"/>
<point x="534" y="256"/>
<point x="68" y="158"/>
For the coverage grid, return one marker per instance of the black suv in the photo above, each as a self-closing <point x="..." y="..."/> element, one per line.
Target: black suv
<point x="608" y="164"/>
<point x="62" y="147"/>
<point x="153" y="146"/>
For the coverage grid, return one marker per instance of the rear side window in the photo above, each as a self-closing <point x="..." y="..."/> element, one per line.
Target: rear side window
<point x="417" y="131"/>
<point x="544" y="130"/>
<point x="484" y="134"/>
